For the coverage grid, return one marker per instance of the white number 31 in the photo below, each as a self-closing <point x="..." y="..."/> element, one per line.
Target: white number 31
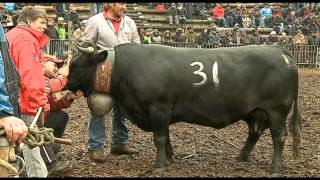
<point x="204" y="76"/>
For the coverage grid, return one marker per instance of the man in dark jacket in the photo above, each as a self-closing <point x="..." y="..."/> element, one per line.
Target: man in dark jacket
<point x="52" y="33"/>
<point x="203" y="38"/>
<point x="213" y="38"/>
<point x="173" y="14"/>
<point x="180" y="38"/>
<point x="257" y="38"/>
<point x="73" y="15"/>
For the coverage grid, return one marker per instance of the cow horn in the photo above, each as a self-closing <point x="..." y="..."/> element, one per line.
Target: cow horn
<point x="88" y="50"/>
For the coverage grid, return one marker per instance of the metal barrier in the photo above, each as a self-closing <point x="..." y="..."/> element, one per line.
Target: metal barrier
<point x="305" y="55"/>
<point x="59" y="48"/>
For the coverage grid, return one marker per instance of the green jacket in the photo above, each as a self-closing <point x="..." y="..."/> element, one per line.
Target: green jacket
<point x="61" y="32"/>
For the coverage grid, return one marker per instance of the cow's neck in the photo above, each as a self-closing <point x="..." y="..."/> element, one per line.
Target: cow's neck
<point x="102" y="81"/>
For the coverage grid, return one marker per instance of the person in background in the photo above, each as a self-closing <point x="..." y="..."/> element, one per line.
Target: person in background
<point x="61" y="29"/>
<point x="265" y="15"/>
<point x="160" y="7"/>
<point x="109" y="29"/>
<point x="141" y="33"/>
<point x="10" y="8"/>
<point x="73" y="15"/>
<point x="218" y="15"/>
<point x="78" y="33"/>
<point x="213" y="38"/>
<point x="166" y="38"/>
<point x="290" y="22"/>
<point x="202" y="39"/>
<point x="182" y="14"/>
<point x="180" y="38"/>
<point x="273" y="38"/>
<point x="257" y="38"/>
<point x="53" y="34"/>
<point x="191" y="37"/>
<point x="156" y="37"/>
<point x="284" y="40"/>
<point x="172" y="13"/>
<point x="147" y="37"/>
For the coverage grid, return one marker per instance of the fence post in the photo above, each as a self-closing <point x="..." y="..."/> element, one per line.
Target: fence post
<point x="70" y="29"/>
<point x="317" y="56"/>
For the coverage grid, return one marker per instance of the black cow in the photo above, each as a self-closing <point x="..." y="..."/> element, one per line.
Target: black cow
<point x="156" y="86"/>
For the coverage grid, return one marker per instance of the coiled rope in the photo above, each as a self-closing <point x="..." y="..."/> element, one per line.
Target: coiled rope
<point x="36" y="137"/>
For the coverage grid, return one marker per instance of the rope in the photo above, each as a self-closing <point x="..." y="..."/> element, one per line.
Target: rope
<point x="39" y="136"/>
<point x="11" y="156"/>
<point x="8" y="166"/>
<point x="36" y="137"/>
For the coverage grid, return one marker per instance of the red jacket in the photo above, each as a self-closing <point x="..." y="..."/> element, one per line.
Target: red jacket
<point x="25" y="50"/>
<point x="218" y="12"/>
<point x="56" y="85"/>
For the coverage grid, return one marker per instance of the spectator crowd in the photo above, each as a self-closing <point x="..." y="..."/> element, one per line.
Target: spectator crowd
<point x="298" y="23"/>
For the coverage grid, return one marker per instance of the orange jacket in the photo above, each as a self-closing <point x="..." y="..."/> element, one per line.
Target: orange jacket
<point x="25" y="50"/>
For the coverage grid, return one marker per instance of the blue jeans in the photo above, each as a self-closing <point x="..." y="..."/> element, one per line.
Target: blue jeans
<point x="97" y="130"/>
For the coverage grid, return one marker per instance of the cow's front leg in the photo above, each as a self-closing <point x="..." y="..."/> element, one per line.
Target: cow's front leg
<point x="159" y="118"/>
<point x="160" y="140"/>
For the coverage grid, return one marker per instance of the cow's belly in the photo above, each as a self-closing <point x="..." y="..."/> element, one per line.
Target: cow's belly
<point x="211" y="118"/>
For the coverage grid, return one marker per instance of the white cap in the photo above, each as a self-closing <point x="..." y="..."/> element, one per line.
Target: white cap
<point x="273" y="33"/>
<point x="60" y="19"/>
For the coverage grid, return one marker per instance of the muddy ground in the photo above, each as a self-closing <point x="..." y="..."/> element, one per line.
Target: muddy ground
<point x="201" y="151"/>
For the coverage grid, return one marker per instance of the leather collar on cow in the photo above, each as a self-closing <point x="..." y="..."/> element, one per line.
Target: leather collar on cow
<point x="102" y="81"/>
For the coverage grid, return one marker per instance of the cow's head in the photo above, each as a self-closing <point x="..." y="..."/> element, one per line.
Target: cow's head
<point x="83" y="67"/>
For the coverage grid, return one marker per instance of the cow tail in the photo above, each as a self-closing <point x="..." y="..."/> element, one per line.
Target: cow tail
<point x="295" y="127"/>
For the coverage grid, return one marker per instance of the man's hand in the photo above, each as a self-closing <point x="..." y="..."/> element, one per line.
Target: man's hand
<point x="43" y="115"/>
<point x="16" y="129"/>
<point x="76" y="95"/>
<point x="64" y="70"/>
<point x="48" y="56"/>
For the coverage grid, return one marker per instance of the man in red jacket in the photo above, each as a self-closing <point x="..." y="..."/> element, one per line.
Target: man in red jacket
<point x="218" y="14"/>
<point x="26" y="41"/>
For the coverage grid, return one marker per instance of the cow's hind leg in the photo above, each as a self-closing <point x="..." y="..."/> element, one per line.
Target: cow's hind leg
<point x="169" y="150"/>
<point x="257" y="123"/>
<point x="278" y="129"/>
<point x="159" y="118"/>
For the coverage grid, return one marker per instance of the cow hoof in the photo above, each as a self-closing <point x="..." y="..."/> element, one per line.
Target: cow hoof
<point x="169" y="161"/>
<point x="157" y="165"/>
<point x="159" y="170"/>
<point x="242" y="159"/>
<point x="275" y="175"/>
